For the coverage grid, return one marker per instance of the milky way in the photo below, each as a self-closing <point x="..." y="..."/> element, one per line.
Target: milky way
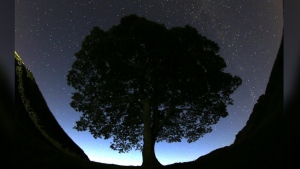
<point x="48" y="33"/>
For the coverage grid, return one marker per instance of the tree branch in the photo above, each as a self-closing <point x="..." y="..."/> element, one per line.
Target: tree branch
<point x="159" y="127"/>
<point x="187" y="109"/>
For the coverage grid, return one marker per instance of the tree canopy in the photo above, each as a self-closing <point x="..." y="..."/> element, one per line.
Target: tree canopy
<point x="140" y="82"/>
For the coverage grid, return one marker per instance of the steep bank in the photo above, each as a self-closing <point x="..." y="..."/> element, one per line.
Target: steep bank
<point x="38" y="134"/>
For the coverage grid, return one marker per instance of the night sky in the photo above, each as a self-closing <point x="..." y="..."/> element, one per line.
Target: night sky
<point x="49" y="33"/>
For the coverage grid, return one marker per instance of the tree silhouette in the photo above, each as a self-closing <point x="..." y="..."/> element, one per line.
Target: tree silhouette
<point x="140" y="83"/>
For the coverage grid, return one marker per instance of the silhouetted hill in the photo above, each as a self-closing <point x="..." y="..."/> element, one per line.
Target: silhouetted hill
<point x="36" y="127"/>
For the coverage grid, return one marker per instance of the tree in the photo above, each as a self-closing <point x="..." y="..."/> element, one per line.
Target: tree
<point x="141" y="83"/>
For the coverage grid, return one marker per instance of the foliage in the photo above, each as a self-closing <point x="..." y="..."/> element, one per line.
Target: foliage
<point x="177" y="70"/>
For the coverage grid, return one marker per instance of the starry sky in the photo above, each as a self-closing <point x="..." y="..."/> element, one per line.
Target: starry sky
<point x="49" y="33"/>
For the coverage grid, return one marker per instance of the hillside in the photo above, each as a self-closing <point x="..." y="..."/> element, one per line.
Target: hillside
<point x="37" y="131"/>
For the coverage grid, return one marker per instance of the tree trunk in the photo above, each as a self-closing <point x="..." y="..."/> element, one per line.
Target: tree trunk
<point x="149" y="158"/>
